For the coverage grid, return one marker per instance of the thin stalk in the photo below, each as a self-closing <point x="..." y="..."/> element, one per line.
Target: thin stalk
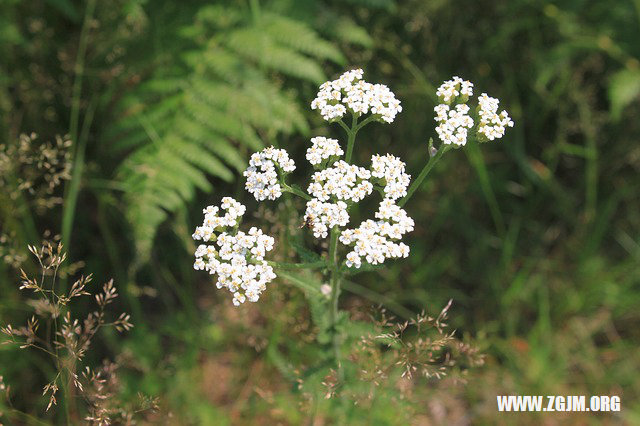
<point x="310" y="265"/>
<point x="79" y="70"/>
<point x="591" y="158"/>
<point x="424" y="173"/>
<point x="294" y="190"/>
<point x="351" y="137"/>
<point x="475" y="157"/>
<point x="256" y="13"/>
<point x="335" y="294"/>
<point x="71" y="192"/>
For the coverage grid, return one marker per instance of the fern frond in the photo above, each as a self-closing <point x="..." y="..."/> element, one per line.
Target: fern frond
<point x="180" y="132"/>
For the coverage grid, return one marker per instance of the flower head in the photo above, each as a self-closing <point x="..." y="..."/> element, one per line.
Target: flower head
<point x="390" y="170"/>
<point x="454" y="88"/>
<point x="376" y="241"/>
<point x="492" y="125"/>
<point x="323" y="149"/>
<point x="454" y="124"/>
<point x="350" y="93"/>
<point x="262" y="173"/>
<point x="454" y="121"/>
<point x="343" y="181"/>
<point x="323" y="216"/>
<point x="237" y="258"/>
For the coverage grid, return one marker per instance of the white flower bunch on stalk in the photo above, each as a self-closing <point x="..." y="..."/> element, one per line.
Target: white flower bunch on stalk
<point x="323" y="149"/>
<point x="350" y="93"/>
<point x="454" y="120"/>
<point x="336" y="186"/>
<point x="376" y="241"/>
<point x="344" y="181"/>
<point x="492" y="125"/>
<point x="454" y="124"/>
<point x="454" y="88"/>
<point x="237" y="258"/>
<point x="390" y="171"/>
<point x="323" y="216"/>
<point x="262" y="173"/>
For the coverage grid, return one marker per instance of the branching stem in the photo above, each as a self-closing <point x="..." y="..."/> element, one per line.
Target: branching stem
<point x="424" y="173"/>
<point x="294" y="190"/>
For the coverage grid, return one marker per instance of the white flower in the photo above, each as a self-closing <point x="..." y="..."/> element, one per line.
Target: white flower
<point x="492" y="125"/>
<point x="323" y="149"/>
<point x="451" y="89"/>
<point x="390" y="169"/>
<point x="325" y="289"/>
<point x="343" y="181"/>
<point x="324" y="216"/>
<point x="453" y="123"/>
<point x="262" y="173"/>
<point x="237" y="259"/>
<point x="375" y="241"/>
<point x="350" y="92"/>
<point x="213" y="222"/>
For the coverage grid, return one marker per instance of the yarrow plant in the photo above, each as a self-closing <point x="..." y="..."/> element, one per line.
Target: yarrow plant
<point x="335" y="187"/>
<point x="454" y="119"/>
<point x="237" y="258"/>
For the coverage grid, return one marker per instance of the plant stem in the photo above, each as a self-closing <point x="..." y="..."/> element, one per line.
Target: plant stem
<point x="424" y="173"/>
<point x="310" y="265"/>
<point x="351" y="137"/>
<point x="294" y="190"/>
<point x="335" y="294"/>
<point x="71" y="192"/>
<point x="475" y="158"/>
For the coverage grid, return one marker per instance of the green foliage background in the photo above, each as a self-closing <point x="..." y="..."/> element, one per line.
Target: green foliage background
<point x="536" y="238"/>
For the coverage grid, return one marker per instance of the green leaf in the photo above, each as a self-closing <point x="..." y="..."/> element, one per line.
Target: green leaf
<point x="624" y="88"/>
<point x="304" y="282"/>
<point x="198" y="114"/>
<point x="305" y="254"/>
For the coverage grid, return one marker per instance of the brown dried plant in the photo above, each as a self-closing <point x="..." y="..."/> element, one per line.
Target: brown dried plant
<point x="54" y="330"/>
<point x="35" y="168"/>
<point x="398" y="354"/>
<point x="421" y="346"/>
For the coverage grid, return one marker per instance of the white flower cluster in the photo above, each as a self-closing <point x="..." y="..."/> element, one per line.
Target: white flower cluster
<point x="453" y="123"/>
<point x="212" y="222"/>
<point x="375" y="241"/>
<point x="262" y="173"/>
<point x="344" y="181"/>
<point x="451" y="89"/>
<point x="322" y="149"/>
<point x="237" y="259"/>
<point x="323" y="216"/>
<point x="350" y="92"/>
<point x="390" y="169"/>
<point x="492" y="125"/>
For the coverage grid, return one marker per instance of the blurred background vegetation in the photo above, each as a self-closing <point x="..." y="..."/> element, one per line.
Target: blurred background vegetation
<point x="144" y="112"/>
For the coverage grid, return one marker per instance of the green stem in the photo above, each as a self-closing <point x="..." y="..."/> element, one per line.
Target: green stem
<point x="79" y="70"/>
<point x="254" y="5"/>
<point x="351" y="137"/>
<point x="335" y="294"/>
<point x="475" y="157"/>
<point x="364" y="123"/>
<point x="71" y="192"/>
<point x="294" y="190"/>
<point x="310" y="265"/>
<point x="424" y="173"/>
